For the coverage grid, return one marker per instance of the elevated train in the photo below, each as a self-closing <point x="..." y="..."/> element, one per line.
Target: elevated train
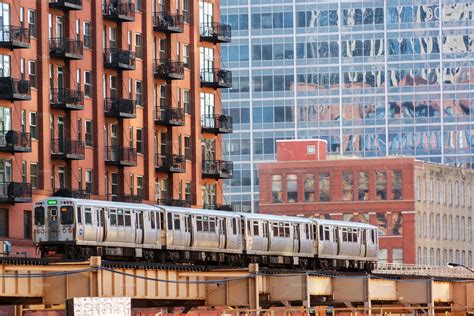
<point x="76" y="228"/>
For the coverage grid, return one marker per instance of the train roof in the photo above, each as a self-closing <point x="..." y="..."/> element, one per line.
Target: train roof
<point x="198" y="211"/>
<point x="343" y="223"/>
<point x="102" y="203"/>
<point x="271" y="217"/>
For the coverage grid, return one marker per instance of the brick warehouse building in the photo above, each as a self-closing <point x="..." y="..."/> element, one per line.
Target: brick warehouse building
<point x="423" y="210"/>
<point x="111" y="99"/>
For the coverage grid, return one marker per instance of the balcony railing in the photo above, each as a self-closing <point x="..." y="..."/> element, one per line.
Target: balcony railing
<point x="67" y="99"/>
<point x="121" y="156"/>
<point x="119" y="59"/>
<point x="174" y="202"/>
<point x="216" y="78"/>
<point x="219" y="207"/>
<point x="15" y="192"/>
<point x="14" y="89"/>
<point x="170" y="163"/>
<point x="125" y="198"/>
<point x="72" y="193"/>
<point x="168" y="69"/>
<point x="15" y="142"/>
<point x="166" y="22"/>
<point x="217" y="124"/>
<point x="216" y="32"/>
<point x="217" y="169"/>
<point x="13" y="37"/>
<point x="119" y="108"/>
<point x="62" y="47"/>
<point x="66" y="5"/>
<point x="118" y="10"/>
<point x="169" y="116"/>
<point x="67" y="149"/>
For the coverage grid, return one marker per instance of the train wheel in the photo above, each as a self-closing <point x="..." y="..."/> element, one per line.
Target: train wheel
<point x="149" y="256"/>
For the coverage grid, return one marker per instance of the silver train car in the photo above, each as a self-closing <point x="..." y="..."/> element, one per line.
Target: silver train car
<point x="75" y="228"/>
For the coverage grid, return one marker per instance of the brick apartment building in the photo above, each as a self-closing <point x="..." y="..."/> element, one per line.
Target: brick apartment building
<point x="110" y="100"/>
<point x="423" y="210"/>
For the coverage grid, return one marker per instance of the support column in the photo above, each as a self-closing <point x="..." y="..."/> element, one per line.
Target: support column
<point x="254" y="290"/>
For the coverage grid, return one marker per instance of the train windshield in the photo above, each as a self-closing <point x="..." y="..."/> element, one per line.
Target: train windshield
<point x="67" y="215"/>
<point x="39" y="216"/>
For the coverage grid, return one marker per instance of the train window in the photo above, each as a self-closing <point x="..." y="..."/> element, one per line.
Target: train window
<point x="321" y="233"/>
<point x="327" y="233"/>
<point x="354" y="236"/>
<point x="363" y="236"/>
<point x="349" y="235"/>
<point x="314" y="232"/>
<point x="255" y="228"/>
<point x="372" y="236"/>
<point x="88" y="215"/>
<point x="152" y="219"/>
<point x="120" y="218"/>
<point x="199" y="223"/>
<point x="67" y="215"/>
<point x="39" y="216"/>
<point x="79" y="215"/>
<point x="177" y="222"/>
<point x="212" y="225"/>
<point x="234" y="226"/>
<point x="113" y="217"/>
<point x="335" y="235"/>
<point x="287" y="230"/>
<point x="344" y="235"/>
<point x="170" y="221"/>
<point x="128" y="219"/>
<point x="265" y="229"/>
<point x="275" y="229"/>
<point x="100" y="216"/>
<point x="161" y="220"/>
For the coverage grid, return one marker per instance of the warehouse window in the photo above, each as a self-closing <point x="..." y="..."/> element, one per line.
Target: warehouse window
<point x="363" y="186"/>
<point x="309" y="188"/>
<point x="397" y="185"/>
<point x="277" y="189"/>
<point x="347" y="186"/>
<point x="292" y="188"/>
<point x="381" y="185"/>
<point x="324" y="187"/>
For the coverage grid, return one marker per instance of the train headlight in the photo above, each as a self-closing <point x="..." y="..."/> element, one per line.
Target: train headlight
<point x="42" y="231"/>
<point x="64" y="230"/>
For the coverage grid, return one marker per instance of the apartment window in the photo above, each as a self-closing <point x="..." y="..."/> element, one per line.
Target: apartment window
<point x="27" y="225"/>
<point x="381" y="185"/>
<point x="397" y="185"/>
<point x="23" y="171"/>
<point x="139" y="140"/>
<point x="187" y="192"/>
<point x="187" y="101"/>
<point x="78" y="30"/>
<point x="34" y="175"/>
<point x="140" y="186"/>
<point x="444" y="225"/>
<point x="88" y="84"/>
<point x="292" y="188"/>
<point x="62" y="177"/>
<point x="277" y="189"/>
<point x="186" y="11"/>
<point x="32" y="74"/>
<point x="132" y="184"/>
<point x="3" y="222"/>
<point x="32" y="22"/>
<point x="115" y="183"/>
<point x="178" y="97"/>
<point x="157" y="190"/>
<point x="89" y="183"/>
<point x="131" y="136"/>
<point x="87" y="35"/>
<point x="187" y="148"/>
<point x="79" y="178"/>
<point x="138" y="45"/>
<point x="89" y="136"/>
<point x="138" y="5"/>
<point x="456" y="228"/>
<point x="363" y="186"/>
<point x="450" y="227"/>
<point x="186" y="60"/>
<point x="417" y="189"/>
<point x="79" y="129"/>
<point x="164" y="188"/>
<point x="22" y="15"/>
<point x="324" y="187"/>
<point x="23" y="121"/>
<point x="138" y="92"/>
<point x="469" y="229"/>
<point x="309" y="188"/>
<point x="347" y="186"/>
<point x="33" y="125"/>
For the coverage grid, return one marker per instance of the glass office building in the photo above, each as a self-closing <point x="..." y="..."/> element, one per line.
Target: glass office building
<point x="373" y="78"/>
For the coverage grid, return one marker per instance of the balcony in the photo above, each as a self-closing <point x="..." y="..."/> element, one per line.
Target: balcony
<point x="216" y="78"/>
<point x="14" y="37"/>
<point x="119" y="59"/>
<point x="66" y="48"/>
<point x="167" y="69"/>
<point x="67" y="149"/>
<point x="217" y="169"/>
<point x="67" y="99"/>
<point x="15" y="192"/>
<point x="169" y="116"/>
<point x="118" y="11"/>
<point x="216" y="32"/>
<point x="174" y="202"/>
<point x="166" y="22"/>
<point x="125" y="198"/>
<point x="120" y="156"/>
<point x="14" y="89"/>
<point x="216" y="124"/>
<point x="219" y="207"/>
<point x="119" y="108"/>
<point x="15" y="142"/>
<point x="72" y="193"/>
<point x="66" y="5"/>
<point x="170" y="163"/>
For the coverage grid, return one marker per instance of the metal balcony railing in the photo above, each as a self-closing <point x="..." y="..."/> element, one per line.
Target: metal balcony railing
<point x="216" y="78"/>
<point x="126" y="198"/>
<point x="168" y="69"/>
<point x="166" y="22"/>
<point x="13" y="37"/>
<point x="119" y="108"/>
<point x="119" y="59"/>
<point x="66" y="5"/>
<point x="67" y="149"/>
<point x="216" y="32"/>
<point x="67" y="99"/>
<point x="120" y="156"/>
<point x="15" y="142"/>
<point x="174" y="202"/>
<point x="14" y="89"/>
<point x="217" y="124"/>
<point x="169" y="116"/>
<point x="217" y="169"/>
<point x="170" y="163"/>
<point x="118" y="10"/>
<point x="15" y="192"/>
<point x="72" y="193"/>
<point x="61" y="47"/>
<point x="219" y="207"/>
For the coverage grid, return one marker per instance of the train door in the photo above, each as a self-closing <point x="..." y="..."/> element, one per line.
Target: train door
<point x="187" y="230"/>
<point x="80" y="223"/>
<point x="100" y="215"/>
<point x="139" y="227"/>
<point x="222" y="233"/>
<point x="363" y="242"/>
<point x="296" y="238"/>
<point x="266" y="236"/>
<point x="53" y="223"/>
